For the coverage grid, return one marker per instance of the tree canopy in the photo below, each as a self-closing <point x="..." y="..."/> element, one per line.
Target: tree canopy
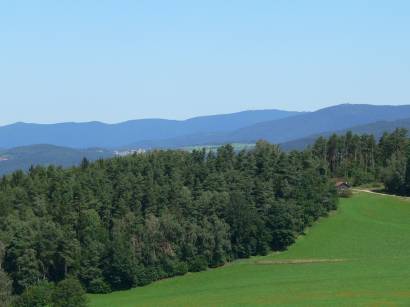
<point x="125" y="222"/>
<point x="362" y="159"/>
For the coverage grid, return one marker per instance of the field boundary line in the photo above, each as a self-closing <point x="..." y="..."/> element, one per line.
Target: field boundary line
<point x="379" y="193"/>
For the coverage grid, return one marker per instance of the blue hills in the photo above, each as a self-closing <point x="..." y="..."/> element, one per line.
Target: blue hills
<point x="65" y="144"/>
<point x="295" y="127"/>
<point x="97" y="134"/>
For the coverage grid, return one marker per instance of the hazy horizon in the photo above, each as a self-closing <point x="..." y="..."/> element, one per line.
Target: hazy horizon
<point x="183" y="119"/>
<point x="115" y="61"/>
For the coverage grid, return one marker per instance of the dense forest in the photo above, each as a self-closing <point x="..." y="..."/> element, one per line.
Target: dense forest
<point x="125" y="222"/>
<point x="361" y="159"/>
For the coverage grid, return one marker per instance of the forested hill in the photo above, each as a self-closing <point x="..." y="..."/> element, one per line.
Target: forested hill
<point x="97" y="134"/>
<point x="125" y="222"/>
<point x="274" y="126"/>
<point x="376" y="129"/>
<point x="328" y="119"/>
<point x="323" y="121"/>
<point x="22" y="158"/>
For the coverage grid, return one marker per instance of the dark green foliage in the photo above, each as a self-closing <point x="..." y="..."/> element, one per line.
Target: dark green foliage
<point x="98" y="285"/>
<point x="349" y="156"/>
<point x="198" y="264"/>
<point x="5" y="289"/>
<point x="175" y="267"/>
<point x="125" y="222"/>
<point x="361" y="160"/>
<point x="282" y="224"/>
<point x="5" y="283"/>
<point x="38" y="295"/>
<point x="69" y="293"/>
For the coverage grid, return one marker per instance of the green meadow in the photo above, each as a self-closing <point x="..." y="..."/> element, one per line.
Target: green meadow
<point x="359" y="256"/>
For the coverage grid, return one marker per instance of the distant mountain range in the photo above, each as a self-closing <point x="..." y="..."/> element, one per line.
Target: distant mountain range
<point x="377" y="129"/>
<point x="23" y="157"/>
<point x="293" y="130"/>
<point x="97" y="134"/>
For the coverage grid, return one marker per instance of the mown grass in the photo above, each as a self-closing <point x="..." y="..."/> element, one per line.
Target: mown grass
<point x="360" y="255"/>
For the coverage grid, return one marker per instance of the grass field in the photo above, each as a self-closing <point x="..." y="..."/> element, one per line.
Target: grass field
<point x="360" y="256"/>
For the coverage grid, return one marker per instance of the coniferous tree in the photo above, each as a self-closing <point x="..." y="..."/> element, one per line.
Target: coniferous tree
<point x="124" y="222"/>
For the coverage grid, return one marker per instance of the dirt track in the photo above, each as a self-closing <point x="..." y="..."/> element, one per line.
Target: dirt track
<point x="378" y="193"/>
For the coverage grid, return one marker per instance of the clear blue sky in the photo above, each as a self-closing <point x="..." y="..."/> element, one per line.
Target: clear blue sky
<point x="102" y="60"/>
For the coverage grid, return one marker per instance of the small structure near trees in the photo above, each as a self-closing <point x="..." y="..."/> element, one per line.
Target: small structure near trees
<point x="343" y="189"/>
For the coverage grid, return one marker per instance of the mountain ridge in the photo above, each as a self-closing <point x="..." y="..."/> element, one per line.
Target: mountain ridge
<point x="293" y="131"/>
<point x="98" y="134"/>
<point x="283" y="130"/>
<point x="376" y="129"/>
<point x="23" y="157"/>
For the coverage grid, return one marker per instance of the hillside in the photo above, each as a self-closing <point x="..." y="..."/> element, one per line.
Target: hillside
<point x="358" y="256"/>
<point x="377" y="129"/>
<point x="97" y="134"/>
<point x="23" y="157"/>
<point x="328" y="119"/>
<point x="325" y="120"/>
<point x="120" y="223"/>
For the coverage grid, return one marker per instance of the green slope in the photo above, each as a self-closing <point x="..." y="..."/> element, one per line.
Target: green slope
<point x="358" y="256"/>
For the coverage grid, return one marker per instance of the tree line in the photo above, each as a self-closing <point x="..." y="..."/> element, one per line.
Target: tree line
<point x="363" y="159"/>
<point x="124" y="222"/>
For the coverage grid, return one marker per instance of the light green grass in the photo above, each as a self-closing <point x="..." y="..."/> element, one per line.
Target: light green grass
<point x="372" y="186"/>
<point x="365" y="247"/>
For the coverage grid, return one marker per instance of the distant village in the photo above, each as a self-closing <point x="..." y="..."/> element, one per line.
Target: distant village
<point x="129" y="152"/>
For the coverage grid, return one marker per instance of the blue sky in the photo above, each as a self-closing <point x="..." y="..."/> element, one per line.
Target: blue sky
<point x="116" y="60"/>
